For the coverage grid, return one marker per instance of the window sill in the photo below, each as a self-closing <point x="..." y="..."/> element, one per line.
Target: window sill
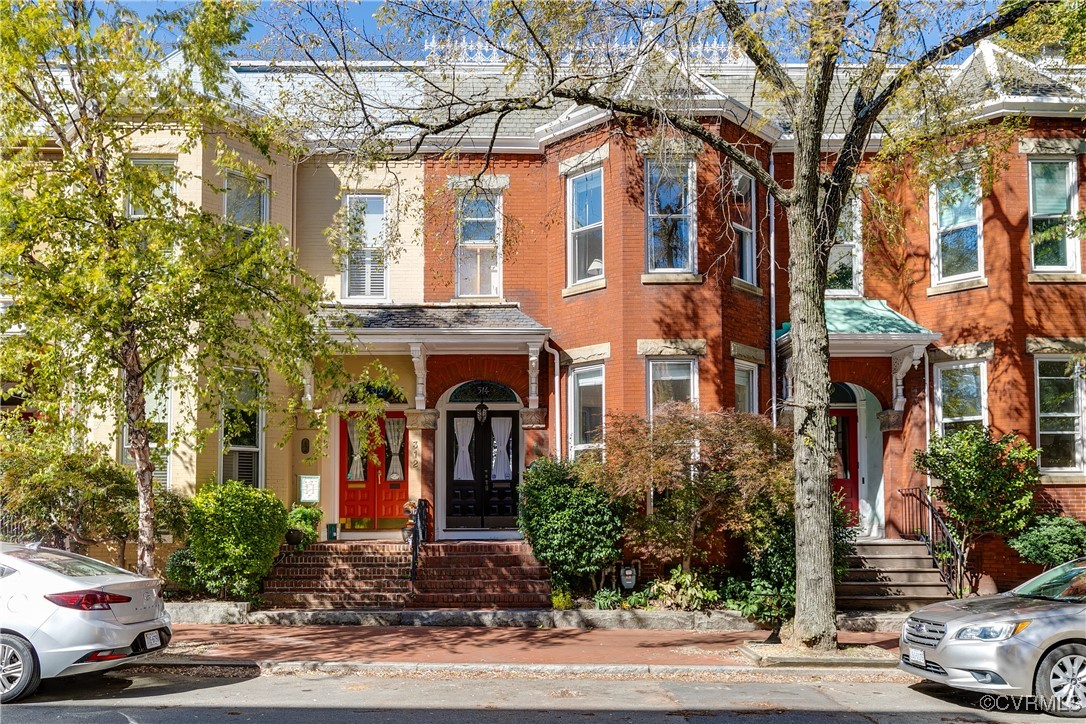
<point x="1056" y="278"/>
<point x="745" y="286"/>
<point x="672" y="278"/>
<point x="582" y="287"/>
<point x="843" y="294"/>
<point x="951" y="287"/>
<point x="363" y="301"/>
<point x="1068" y="478"/>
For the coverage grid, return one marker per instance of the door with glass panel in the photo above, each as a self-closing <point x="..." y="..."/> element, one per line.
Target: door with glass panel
<point x="373" y="484"/>
<point x="482" y="469"/>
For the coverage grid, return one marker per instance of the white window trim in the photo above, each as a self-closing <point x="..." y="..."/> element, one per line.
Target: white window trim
<point x="753" y="391"/>
<point x="857" y="245"/>
<point x="571" y="261"/>
<point x="261" y="448"/>
<point x="265" y="210"/>
<point x="739" y="230"/>
<point x="650" y="361"/>
<point x="1072" y="242"/>
<point x="1080" y="395"/>
<point x="345" y="284"/>
<point x="499" y="239"/>
<point x="938" y="390"/>
<point x="152" y="161"/>
<point x="691" y="217"/>
<point x="933" y="235"/>
<point x="574" y="400"/>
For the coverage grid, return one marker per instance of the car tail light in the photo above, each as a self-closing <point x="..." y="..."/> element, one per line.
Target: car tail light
<point x="106" y="655"/>
<point x="87" y="600"/>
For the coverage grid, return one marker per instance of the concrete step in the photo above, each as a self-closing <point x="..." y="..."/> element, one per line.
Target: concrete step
<point x="894" y="575"/>
<point x="891" y="562"/>
<point x="849" y="589"/>
<point x="891" y="547"/>
<point x="886" y="603"/>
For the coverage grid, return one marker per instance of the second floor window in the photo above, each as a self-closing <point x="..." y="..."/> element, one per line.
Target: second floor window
<point x="155" y="175"/>
<point x="246" y="200"/>
<point x="586" y="408"/>
<point x="1051" y="202"/>
<point x="844" y="276"/>
<point x="957" y="249"/>
<point x="742" y="217"/>
<point x="960" y="396"/>
<point x="670" y="216"/>
<point x="478" y="245"/>
<point x="585" y="222"/>
<point x="365" y="275"/>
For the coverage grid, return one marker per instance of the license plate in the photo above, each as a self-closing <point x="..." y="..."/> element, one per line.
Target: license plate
<point x="152" y="639"/>
<point x="916" y="657"/>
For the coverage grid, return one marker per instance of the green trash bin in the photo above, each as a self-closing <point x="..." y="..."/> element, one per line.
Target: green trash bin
<point x="332" y="529"/>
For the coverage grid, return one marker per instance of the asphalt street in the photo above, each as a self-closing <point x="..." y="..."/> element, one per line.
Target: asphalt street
<point x="152" y="698"/>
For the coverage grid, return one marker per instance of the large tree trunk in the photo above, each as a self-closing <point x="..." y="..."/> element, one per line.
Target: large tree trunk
<point x="813" y="444"/>
<point x="139" y="447"/>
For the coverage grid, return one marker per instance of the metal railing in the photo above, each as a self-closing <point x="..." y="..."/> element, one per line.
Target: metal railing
<point x="418" y="534"/>
<point x="922" y="521"/>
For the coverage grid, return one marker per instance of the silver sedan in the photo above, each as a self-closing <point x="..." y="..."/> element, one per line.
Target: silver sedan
<point x="67" y="614"/>
<point x="1028" y="642"/>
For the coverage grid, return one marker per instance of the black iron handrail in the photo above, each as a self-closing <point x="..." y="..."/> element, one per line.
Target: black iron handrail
<point x="924" y="522"/>
<point x="418" y="534"/>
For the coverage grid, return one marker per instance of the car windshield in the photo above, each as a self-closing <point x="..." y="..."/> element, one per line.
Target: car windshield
<point x="67" y="564"/>
<point x="1062" y="583"/>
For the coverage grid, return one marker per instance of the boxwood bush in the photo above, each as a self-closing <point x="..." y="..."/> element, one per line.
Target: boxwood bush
<point x="1051" y="540"/>
<point x="236" y="531"/>
<point x="574" y="528"/>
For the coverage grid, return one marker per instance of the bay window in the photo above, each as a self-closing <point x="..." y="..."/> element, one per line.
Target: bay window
<point x="742" y="219"/>
<point x="845" y="263"/>
<point x="1051" y="207"/>
<point x="669" y="210"/>
<point x="586" y="408"/>
<point x="671" y="380"/>
<point x="158" y="174"/>
<point x="957" y="244"/>
<point x="585" y="223"/>
<point x="246" y="201"/>
<point x="746" y="387"/>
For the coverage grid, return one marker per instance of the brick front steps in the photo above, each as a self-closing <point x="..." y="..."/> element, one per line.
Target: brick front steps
<point x="376" y="575"/>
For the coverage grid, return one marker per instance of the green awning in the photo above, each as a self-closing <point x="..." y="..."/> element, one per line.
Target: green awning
<point x="863" y="316"/>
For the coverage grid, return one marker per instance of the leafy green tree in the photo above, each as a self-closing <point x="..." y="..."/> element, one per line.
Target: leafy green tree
<point x="120" y="287"/>
<point x="860" y="61"/>
<point x="986" y="483"/>
<point x="691" y="474"/>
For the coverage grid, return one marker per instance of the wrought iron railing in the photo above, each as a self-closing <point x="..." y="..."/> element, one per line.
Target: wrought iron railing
<point x="922" y="521"/>
<point x="418" y="534"/>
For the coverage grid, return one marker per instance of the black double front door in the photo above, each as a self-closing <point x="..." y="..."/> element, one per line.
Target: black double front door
<point x="482" y="470"/>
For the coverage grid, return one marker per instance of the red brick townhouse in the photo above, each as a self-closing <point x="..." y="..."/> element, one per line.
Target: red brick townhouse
<point x="574" y="265"/>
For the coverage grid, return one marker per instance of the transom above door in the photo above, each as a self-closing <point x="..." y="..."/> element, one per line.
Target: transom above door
<point x="482" y="469"/>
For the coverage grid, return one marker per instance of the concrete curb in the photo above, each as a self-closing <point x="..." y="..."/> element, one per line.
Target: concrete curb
<point x="817" y="662"/>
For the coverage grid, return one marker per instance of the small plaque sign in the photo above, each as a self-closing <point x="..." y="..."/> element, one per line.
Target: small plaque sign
<point x="309" y="488"/>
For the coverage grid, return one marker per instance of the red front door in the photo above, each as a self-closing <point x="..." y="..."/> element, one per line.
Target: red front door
<point x="846" y="468"/>
<point x="373" y="487"/>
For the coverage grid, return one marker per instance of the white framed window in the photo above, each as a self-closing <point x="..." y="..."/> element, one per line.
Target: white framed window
<point x="742" y="219"/>
<point x="245" y="202"/>
<point x="961" y="395"/>
<point x="672" y="379"/>
<point x="957" y="239"/>
<point x="365" y="275"/>
<point x="670" y="216"/>
<point x="586" y="408"/>
<point x="844" y="277"/>
<point x="1061" y="414"/>
<point x="1053" y="203"/>
<point x="478" y="245"/>
<point x="584" y="217"/>
<point x="165" y="172"/>
<point x="746" y="387"/>
<point x="241" y="443"/>
<point x="157" y="393"/>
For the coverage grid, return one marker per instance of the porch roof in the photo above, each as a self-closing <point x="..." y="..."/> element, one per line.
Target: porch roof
<point x="866" y="327"/>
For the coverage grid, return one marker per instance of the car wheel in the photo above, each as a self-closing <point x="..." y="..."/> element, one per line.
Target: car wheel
<point x="19" y="675"/>
<point x="1061" y="681"/>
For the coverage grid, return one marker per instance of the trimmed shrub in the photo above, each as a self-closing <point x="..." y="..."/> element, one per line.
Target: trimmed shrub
<point x="573" y="527"/>
<point x="236" y="531"/>
<point x="181" y="570"/>
<point x="1051" y="540"/>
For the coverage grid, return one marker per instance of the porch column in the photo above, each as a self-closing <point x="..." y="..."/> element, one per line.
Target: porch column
<point x="422" y="436"/>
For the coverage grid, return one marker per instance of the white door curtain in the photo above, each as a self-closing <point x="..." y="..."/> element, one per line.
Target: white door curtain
<point x="503" y="466"/>
<point x="394" y="427"/>
<point x="358" y="462"/>
<point x="465" y="430"/>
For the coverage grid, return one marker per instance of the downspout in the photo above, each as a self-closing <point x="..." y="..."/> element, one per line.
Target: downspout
<point x="927" y="409"/>
<point x="557" y="398"/>
<point x="772" y="299"/>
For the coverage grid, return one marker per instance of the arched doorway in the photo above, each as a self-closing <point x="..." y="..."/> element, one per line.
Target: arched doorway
<point x="858" y="468"/>
<point x="480" y="461"/>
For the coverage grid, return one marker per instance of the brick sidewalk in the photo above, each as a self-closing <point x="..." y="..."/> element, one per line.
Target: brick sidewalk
<point x="471" y="645"/>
